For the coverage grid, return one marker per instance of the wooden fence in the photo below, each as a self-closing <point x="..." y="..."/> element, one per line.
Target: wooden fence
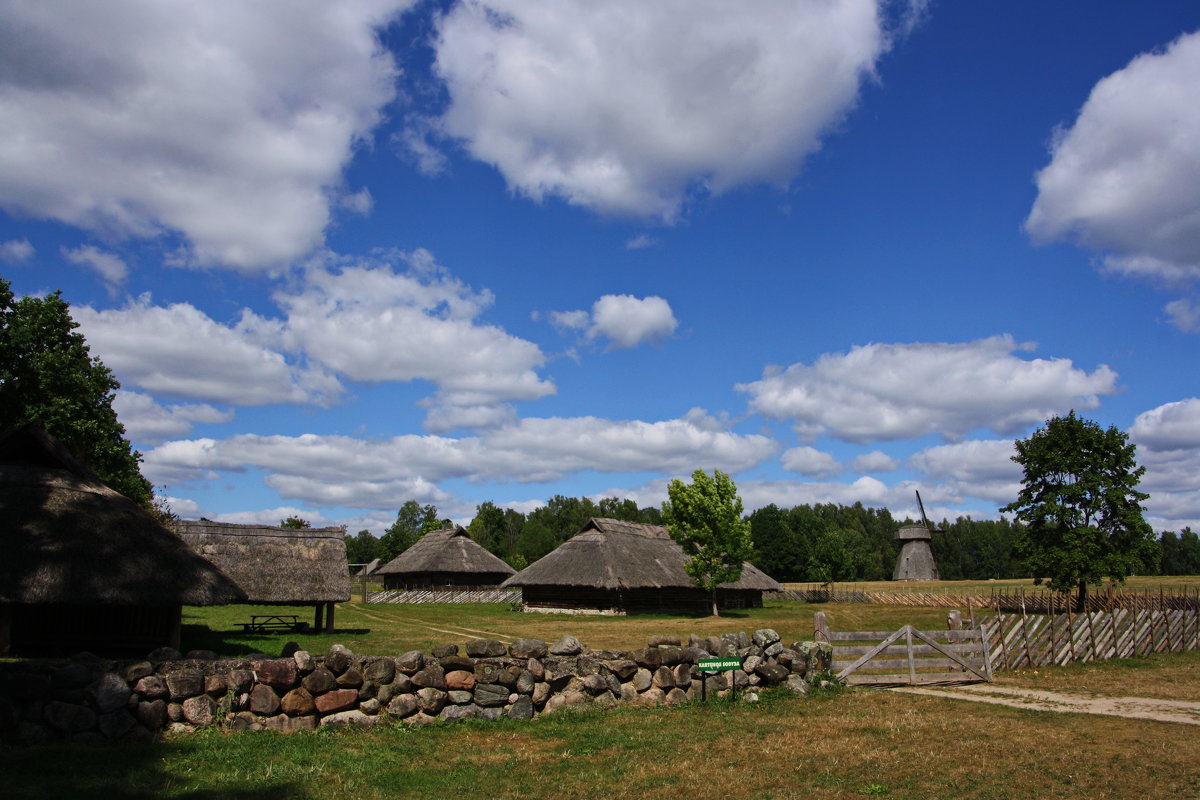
<point x="1031" y="640"/>
<point x="1005" y="600"/>
<point x="907" y="656"/>
<point x="445" y="596"/>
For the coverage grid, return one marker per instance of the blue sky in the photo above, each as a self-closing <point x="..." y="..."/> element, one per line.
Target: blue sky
<point x="344" y="255"/>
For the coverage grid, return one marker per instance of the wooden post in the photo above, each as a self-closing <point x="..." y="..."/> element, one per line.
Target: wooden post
<point x="820" y="627"/>
<point x="954" y="620"/>
<point x="319" y="618"/>
<point x="329" y="618"/>
<point x="1070" y="631"/>
<point x="1025" y="632"/>
<point x="912" y="667"/>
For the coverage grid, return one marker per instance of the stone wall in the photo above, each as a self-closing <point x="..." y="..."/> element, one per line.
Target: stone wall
<point x="90" y="699"/>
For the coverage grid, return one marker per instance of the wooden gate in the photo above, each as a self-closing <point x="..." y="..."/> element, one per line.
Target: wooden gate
<point x="907" y="656"/>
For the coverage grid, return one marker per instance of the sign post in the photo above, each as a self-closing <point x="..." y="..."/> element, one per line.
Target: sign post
<point x="714" y="666"/>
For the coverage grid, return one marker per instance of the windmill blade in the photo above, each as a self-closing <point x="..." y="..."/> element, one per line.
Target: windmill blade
<point x="924" y="519"/>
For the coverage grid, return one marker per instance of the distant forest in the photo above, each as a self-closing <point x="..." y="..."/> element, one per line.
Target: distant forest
<point x="807" y="543"/>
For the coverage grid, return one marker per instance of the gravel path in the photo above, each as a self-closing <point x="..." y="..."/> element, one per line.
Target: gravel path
<point x="1180" y="711"/>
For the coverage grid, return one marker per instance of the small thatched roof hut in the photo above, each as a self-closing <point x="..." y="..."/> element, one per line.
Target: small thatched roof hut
<point x="618" y="566"/>
<point x="449" y="557"/>
<point x="277" y="566"/>
<point x="82" y="566"/>
<point x="368" y="569"/>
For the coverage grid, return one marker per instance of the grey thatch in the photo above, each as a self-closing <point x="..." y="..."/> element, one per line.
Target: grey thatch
<point x="274" y="565"/>
<point x="67" y="538"/>
<point x="628" y="564"/>
<point x="368" y="569"/>
<point x="446" y="557"/>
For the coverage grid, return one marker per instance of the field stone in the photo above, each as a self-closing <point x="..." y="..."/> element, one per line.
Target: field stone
<point x="765" y="636"/>
<point x="175" y="712"/>
<point x="348" y="719"/>
<point x="402" y="684"/>
<point x="350" y="679"/>
<point x="201" y="710"/>
<point x="485" y="648"/>
<point x="319" y="681"/>
<point x="664" y="678"/>
<point x="649" y="657"/>
<point x="796" y="685"/>
<point x="381" y="670"/>
<point x="642" y="680"/>
<point x="420" y="718"/>
<point x="594" y="685"/>
<point x="108" y="693"/>
<point x="304" y="661"/>
<point x="489" y="695"/>
<point x="152" y="713"/>
<point x="623" y="668"/>
<point x="160" y="654"/>
<point x="659" y="641"/>
<point x="184" y="683"/>
<point x="453" y="712"/>
<point x="412" y="661"/>
<point x="613" y="684"/>
<point x="367" y="690"/>
<point x="297" y="702"/>
<point x="675" y="696"/>
<point x="750" y="663"/>
<point x="240" y="680"/>
<point x="431" y="700"/>
<point x="566" y="646"/>
<point x="68" y="717"/>
<point x="773" y="649"/>
<point x="487" y="672"/>
<point x="431" y="677"/>
<point x="628" y="692"/>
<point x="682" y="674"/>
<point x="278" y="673"/>
<point x="528" y="648"/>
<point x="541" y="693"/>
<point x="537" y="668"/>
<point x="522" y="709"/>
<point x="385" y="694"/>
<point x="402" y="705"/>
<point x="508" y="676"/>
<point x="137" y="670"/>
<point x="444" y="650"/>
<point x="264" y="701"/>
<point x="460" y="697"/>
<point x="772" y="674"/>
<point x="554" y="703"/>
<point x="241" y="721"/>
<point x="200" y="655"/>
<point x="652" y="696"/>
<point x="335" y="701"/>
<point x="457" y="663"/>
<point x="370" y="707"/>
<point x="215" y="685"/>
<point x="525" y="682"/>
<point x="338" y="659"/>
<point x="460" y="680"/>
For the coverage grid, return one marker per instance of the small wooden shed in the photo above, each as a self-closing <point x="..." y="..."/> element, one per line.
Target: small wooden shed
<point x="277" y="566"/>
<point x="82" y="567"/>
<point x="613" y="566"/>
<point x="449" y="557"/>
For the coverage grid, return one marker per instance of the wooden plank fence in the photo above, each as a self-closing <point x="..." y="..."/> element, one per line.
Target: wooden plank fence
<point x="1024" y="639"/>
<point x="445" y="596"/>
<point x="907" y="656"/>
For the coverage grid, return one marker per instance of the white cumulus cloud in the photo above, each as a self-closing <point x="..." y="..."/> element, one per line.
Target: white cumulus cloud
<point x="146" y="420"/>
<point x="622" y="320"/>
<point x="1171" y="426"/>
<point x="16" y="251"/>
<point x="810" y="461"/>
<point x="227" y="123"/>
<point x="903" y="391"/>
<point x="1122" y="180"/>
<point x="629" y="107"/>
<point x="109" y="266"/>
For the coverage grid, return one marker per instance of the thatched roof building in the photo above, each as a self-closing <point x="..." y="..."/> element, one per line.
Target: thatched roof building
<point x="368" y="569"/>
<point x="277" y="566"/>
<point x="612" y="565"/>
<point x="83" y="567"/>
<point x="449" y="557"/>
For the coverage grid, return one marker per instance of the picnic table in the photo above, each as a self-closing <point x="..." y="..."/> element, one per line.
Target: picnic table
<point x="272" y="622"/>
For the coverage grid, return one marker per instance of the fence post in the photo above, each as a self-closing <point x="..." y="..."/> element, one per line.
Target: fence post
<point x="954" y="620"/>
<point x="820" y="627"/>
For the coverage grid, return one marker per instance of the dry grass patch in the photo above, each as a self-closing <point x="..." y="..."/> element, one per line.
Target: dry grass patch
<point x="1165" y="676"/>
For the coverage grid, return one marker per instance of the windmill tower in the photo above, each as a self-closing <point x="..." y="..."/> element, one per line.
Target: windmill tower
<point x="915" y="562"/>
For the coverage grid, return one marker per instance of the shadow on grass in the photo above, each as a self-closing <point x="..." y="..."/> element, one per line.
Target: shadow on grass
<point x="240" y="643"/>
<point x="126" y="771"/>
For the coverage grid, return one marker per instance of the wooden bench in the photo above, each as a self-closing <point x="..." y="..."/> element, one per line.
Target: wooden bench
<point x="262" y="623"/>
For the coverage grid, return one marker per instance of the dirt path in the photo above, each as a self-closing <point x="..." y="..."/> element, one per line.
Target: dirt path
<point x="1187" y="713"/>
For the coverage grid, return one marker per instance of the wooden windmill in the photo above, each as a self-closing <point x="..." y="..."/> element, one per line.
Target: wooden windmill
<point x="915" y="562"/>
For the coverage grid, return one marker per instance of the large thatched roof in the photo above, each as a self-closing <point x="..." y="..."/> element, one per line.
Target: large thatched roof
<point x="65" y="537"/>
<point x="273" y="564"/>
<point x="613" y="554"/>
<point x="450" y="550"/>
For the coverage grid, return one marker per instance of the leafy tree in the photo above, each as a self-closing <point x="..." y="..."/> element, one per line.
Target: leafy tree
<point x="705" y="517"/>
<point x="362" y="548"/>
<point x="48" y="376"/>
<point x="1081" y="512"/>
<point x="413" y="521"/>
<point x="1180" y="554"/>
<point x="296" y="523"/>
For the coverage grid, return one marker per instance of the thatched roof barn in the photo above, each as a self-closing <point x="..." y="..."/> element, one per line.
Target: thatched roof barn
<point x="368" y="569"/>
<point x="449" y="557"/>
<point x="277" y="566"/>
<point x="618" y="566"/>
<point x="82" y="566"/>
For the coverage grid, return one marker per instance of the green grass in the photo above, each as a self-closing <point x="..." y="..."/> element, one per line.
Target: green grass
<point x="393" y="629"/>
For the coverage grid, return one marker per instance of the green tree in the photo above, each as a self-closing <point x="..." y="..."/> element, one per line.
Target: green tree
<point x="362" y="548"/>
<point x="705" y="518"/>
<point x="1079" y="506"/>
<point x="48" y="376"/>
<point x="296" y="523"/>
<point x="413" y="521"/>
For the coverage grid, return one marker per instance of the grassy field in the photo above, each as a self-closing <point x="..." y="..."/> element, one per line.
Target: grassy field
<point x="848" y="744"/>
<point x="378" y="629"/>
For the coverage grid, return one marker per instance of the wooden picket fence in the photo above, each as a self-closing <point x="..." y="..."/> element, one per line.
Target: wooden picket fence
<point x="1006" y="600"/>
<point x="1025" y="639"/>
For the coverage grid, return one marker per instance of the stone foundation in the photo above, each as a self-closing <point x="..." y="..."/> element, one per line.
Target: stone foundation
<point x="91" y="699"/>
